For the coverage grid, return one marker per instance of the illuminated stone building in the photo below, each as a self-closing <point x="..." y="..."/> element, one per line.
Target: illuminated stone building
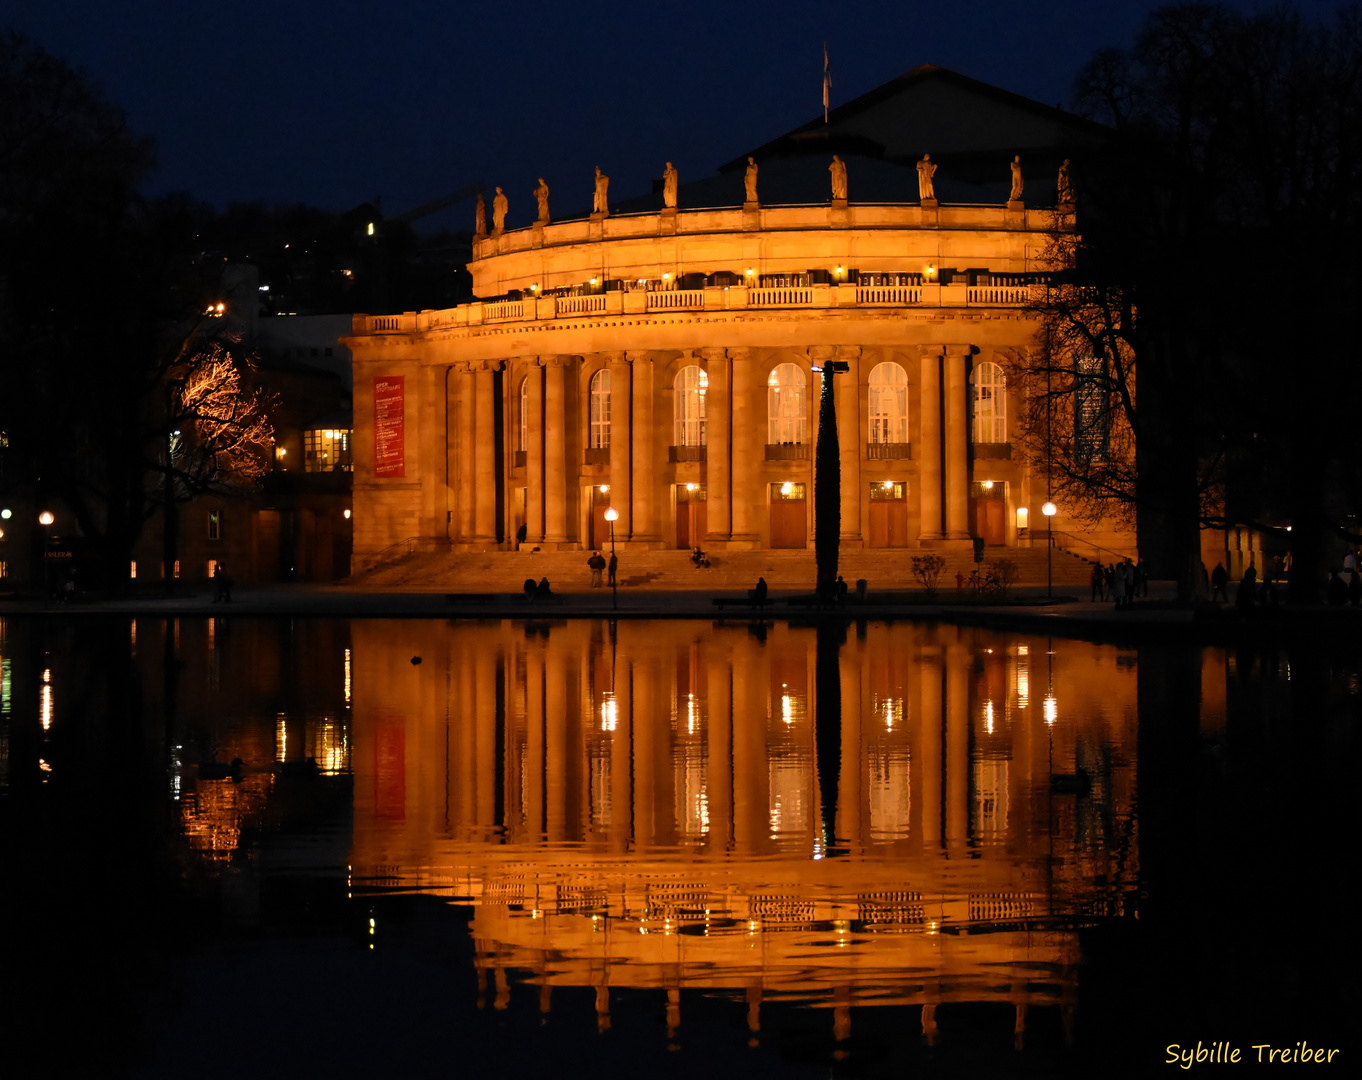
<point x="663" y="361"/>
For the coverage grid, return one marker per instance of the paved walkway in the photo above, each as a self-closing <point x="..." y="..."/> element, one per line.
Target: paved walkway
<point x="1025" y="605"/>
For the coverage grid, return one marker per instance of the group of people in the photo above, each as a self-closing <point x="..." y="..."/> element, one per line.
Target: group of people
<point x="1121" y="582"/>
<point x="597" y="564"/>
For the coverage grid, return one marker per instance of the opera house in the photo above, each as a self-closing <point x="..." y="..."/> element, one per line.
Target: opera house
<point x="662" y="357"/>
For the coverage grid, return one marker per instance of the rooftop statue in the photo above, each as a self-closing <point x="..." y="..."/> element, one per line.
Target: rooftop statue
<point x="925" y="171"/>
<point x="669" y="186"/>
<point x="1065" y="186"/>
<point x="838" y="168"/>
<point x="480" y="219"/>
<point x="542" y="194"/>
<point x="601" y="204"/>
<point x="498" y="213"/>
<point x="750" y="180"/>
<point x="1016" y="193"/>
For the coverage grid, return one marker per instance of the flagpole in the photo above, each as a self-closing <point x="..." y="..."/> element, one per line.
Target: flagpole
<point x="827" y="81"/>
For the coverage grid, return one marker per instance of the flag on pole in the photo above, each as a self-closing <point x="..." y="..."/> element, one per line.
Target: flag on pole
<point x="827" y="81"/>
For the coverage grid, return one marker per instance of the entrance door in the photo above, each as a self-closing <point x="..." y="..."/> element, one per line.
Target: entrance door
<point x="889" y="514"/>
<point x="691" y="517"/>
<point x="600" y="528"/>
<point x="789" y="516"/>
<point x="989" y="517"/>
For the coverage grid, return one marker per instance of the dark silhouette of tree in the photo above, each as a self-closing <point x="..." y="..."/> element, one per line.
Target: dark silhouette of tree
<point x="827" y="490"/>
<point x="1194" y="327"/>
<point x="103" y="328"/>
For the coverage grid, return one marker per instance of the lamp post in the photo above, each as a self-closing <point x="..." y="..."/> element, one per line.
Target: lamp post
<point x="1049" y="510"/>
<point x="612" y="515"/>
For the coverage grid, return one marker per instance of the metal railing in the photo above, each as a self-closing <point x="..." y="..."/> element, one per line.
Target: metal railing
<point x="1060" y="538"/>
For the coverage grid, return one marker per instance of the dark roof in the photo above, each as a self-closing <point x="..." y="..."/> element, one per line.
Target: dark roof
<point x="973" y="112"/>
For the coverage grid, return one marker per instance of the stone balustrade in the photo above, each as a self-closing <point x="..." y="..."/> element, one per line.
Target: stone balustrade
<point x="732" y="298"/>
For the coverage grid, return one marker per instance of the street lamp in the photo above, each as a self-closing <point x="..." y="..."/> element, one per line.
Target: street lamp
<point x="612" y="515"/>
<point x="1049" y="510"/>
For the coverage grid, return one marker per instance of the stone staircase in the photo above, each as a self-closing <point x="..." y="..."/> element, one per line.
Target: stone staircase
<point x="506" y="571"/>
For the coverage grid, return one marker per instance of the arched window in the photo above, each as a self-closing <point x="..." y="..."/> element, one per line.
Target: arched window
<point x="600" y="410"/>
<point x="888" y="404"/>
<point x="690" y="385"/>
<point x="990" y="404"/>
<point x="524" y="444"/>
<point x="787" y="406"/>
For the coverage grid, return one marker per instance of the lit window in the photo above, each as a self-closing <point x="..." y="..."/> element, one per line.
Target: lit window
<point x="888" y="404"/>
<point x="690" y="386"/>
<point x="787" y="408"/>
<point x="214" y="524"/>
<point x="990" y="404"/>
<point x="600" y="410"/>
<point x="326" y="450"/>
<point x="132" y="569"/>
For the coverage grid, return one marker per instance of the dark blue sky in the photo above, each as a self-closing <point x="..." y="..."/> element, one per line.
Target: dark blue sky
<point x="334" y="103"/>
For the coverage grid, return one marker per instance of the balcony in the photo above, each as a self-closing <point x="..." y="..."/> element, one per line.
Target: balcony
<point x="685" y="453"/>
<point x="787" y="452"/>
<point x="596" y="455"/>
<point x="885" y="451"/>
<point x="997" y="451"/>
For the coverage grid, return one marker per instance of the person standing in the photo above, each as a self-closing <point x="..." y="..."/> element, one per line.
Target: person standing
<point x="1098" y="593"/>
<point x="1219" y="580"/>
<point x="1118" y="587"/>
<point x="596" y="564"/>
<point x="614" y="567"/>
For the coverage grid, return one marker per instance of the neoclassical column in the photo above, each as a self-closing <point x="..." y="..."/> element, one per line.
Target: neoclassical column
<point x="533" y="794"/>
<point x="645" y="466"/>
<point x="617" y="364"/>
<point x="747" y="437"/>
<point x="850" y="436"/>
<point x="464" y="470"/>
<point x="957" y="444"/>
<point x="485" y="453"/>
<point x="928" y="450"/>
<point x="555" y="449"/>
<point x="534" y="452"/>
<point x="719" y="694"/>
<point x="486" y="698"/>
<point x="718" y="452"/>
<point x="926" y="764"/>
<point x="643" y="723"/>
<point x="957" y="747"/>
<point x="555" y="743"/>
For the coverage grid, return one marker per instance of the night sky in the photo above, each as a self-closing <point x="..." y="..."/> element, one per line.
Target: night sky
<point x="335" y="103"/>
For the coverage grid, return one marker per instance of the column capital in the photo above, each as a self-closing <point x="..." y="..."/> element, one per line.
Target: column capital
<point x="633" y="355"/>
<point x="708" y="354"/>
<point x="461" y="367"/>
<point x="613" y="356"/>
<point x="958" y="350"/>
<point x="819" y="354"/>
<point x="486" y="365"/>
<point x="848" y="352"/>
<point x="557" y="360"/>
<point x="930" y="352"/>
<point x="741" y="352"/>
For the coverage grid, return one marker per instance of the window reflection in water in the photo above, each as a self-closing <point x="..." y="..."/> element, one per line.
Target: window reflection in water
<point x="670" y="781"/>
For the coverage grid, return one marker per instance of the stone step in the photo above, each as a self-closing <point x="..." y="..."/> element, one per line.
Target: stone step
<point x="506" y="571"/>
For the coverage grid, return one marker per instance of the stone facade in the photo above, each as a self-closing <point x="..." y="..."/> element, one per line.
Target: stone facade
<point x="496" y="427"/>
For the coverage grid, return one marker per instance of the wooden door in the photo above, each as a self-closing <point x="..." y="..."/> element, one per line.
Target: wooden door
<point x="789" y="523"/>
<point x="691" y="522"/>
<point x="889" y="515"/>
<point x="989" y="522"/>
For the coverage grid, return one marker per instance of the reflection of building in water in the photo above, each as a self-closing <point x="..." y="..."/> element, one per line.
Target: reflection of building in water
<point x="644" y="807"/>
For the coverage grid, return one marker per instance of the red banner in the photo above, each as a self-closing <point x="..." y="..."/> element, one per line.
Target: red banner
<point x="389" y="433"/>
